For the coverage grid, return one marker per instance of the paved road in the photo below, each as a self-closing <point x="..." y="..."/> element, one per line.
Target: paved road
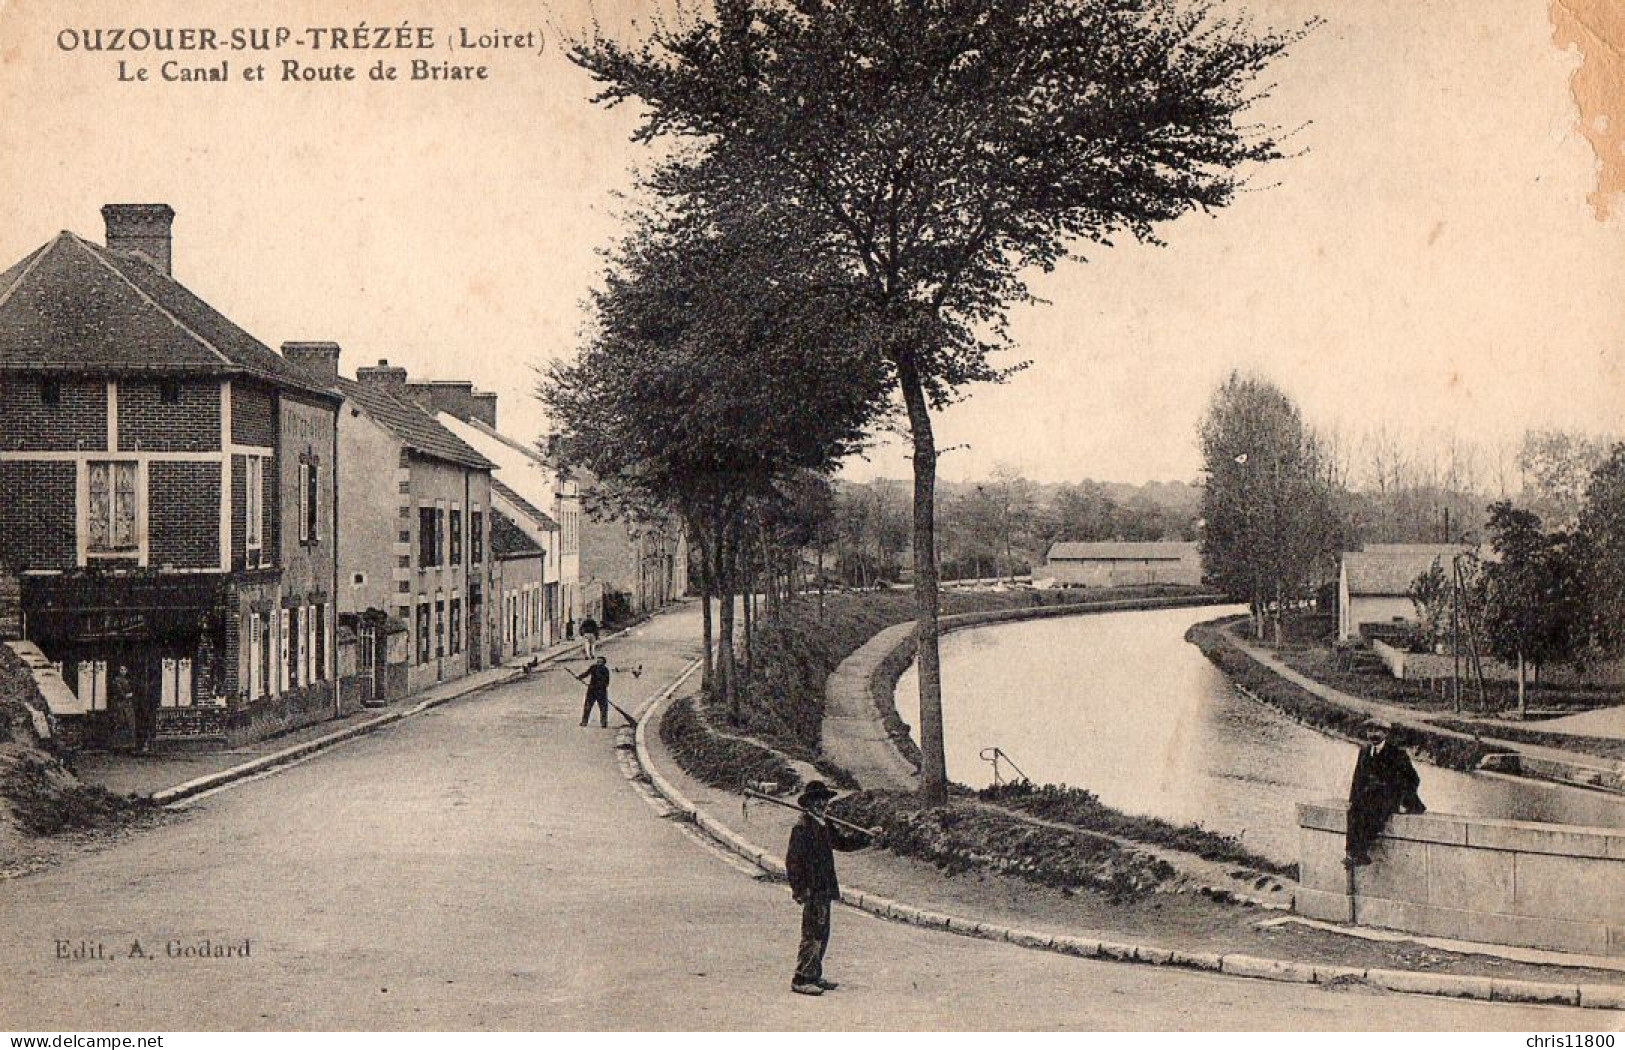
<point x="487" y="866"/>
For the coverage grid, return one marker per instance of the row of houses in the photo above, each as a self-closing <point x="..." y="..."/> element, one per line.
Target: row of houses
<point x="244" y="541"/>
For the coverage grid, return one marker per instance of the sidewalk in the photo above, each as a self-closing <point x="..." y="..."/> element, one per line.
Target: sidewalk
<point x="174" y="775"/>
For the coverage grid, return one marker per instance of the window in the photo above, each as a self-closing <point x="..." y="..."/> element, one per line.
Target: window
<point x="92" y="685"/>
<point x="256" y="648"/>
<point x="309" y="665"/>
<point x="265" y="664"/>
<point x="428" y="540"/>
<point x="309" y="486"/>
<point x="456" y="624"/>
<point x="169" y="391"/>
<point x="456" y="536"/>
<point x="440" y="535"/>
<point x="176" y="689"/>
<point x="284" y="664"/>
<point x="440" y="627"/>
<point x="254" y="502"/>
<point x="423" y="632"/>
<point x="111" y="517"/>
<point x="476" y="537"/>
<point x="50" y="391"/>
<point x="290" y="650"/>
<point x="321" y="643"/>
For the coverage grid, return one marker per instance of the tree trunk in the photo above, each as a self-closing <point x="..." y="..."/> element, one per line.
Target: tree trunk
<point x="1523" y="702"/>
<point x="820" y="583"/>
<point x="933" y="762"/>
<point x="707" y="590"/>
<point x="725" y="624"/>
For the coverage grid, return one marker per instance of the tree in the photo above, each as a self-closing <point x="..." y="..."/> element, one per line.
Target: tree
<point x="1269" y="529"/>
<point x="1556" y="466"/>
<point x="1532" y="611"/>
<point x="1600" y="539"/>
<point x="1432" y="593"/>
<point x="939" y="151"/>
<point x="716" y="370"/>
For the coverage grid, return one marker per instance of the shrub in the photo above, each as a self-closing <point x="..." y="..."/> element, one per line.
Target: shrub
<point x="719" y="761"/>
<point x="960" y="838"/>
<point x="1067" y="805"/>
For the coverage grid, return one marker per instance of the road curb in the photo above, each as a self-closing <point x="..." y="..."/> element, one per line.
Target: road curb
<point x="1609" y="997"/>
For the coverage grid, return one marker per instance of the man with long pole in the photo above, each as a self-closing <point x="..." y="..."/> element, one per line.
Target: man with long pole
<point x="810" y="863"/>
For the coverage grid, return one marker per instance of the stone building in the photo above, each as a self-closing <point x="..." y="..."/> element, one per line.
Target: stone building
<point x="415" y="506"/>
<point x="167" y="495"/>
<point x="1114" y="564"/>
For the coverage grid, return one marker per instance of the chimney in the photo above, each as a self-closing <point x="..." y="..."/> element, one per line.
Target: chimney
<point x="140" y="228"/>
<point x="456" y="398"/>
<point x="319" y="359"/>
<point x="391" y="379"/>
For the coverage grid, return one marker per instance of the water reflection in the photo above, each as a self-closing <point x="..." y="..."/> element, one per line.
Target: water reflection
<point x="1120" y="704"/>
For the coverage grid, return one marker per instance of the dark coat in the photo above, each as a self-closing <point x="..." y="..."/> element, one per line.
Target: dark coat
<point x="810" y="861"/>
<point x="1384" y="783"/>
<point x="597" y="679"/>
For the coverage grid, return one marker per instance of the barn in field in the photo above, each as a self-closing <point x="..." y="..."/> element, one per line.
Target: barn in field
<point x="1115" y="564"/>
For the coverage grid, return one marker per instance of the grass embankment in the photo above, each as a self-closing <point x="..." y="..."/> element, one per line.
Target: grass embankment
<point x="782" y="707"/>
<point x="1303" y="706"/>
<point x="1080" y="808"/>
<point x="39" y="795"/>
<point x="1372" y="679"/>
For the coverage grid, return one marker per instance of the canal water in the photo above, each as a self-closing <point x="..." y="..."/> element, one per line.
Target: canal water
<point x="1121" y="704"/>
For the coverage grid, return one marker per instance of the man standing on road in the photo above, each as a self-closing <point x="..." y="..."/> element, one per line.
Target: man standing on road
<point x="125" y="707"/>
<point x="1384" y="783"/>
<point x="589" y="635"/>
<point x="597" y="679"/>
<point x="810" y="863"/>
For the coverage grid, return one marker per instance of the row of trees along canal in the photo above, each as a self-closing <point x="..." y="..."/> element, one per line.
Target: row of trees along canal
<point x="846" y="199"/>
<point x="1276" y="515"/>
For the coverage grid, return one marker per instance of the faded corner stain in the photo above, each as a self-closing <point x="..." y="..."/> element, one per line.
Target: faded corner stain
<point x="1597" y="29"/>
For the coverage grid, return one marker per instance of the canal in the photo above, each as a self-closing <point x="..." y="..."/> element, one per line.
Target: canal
<point x="1120" y="704"/>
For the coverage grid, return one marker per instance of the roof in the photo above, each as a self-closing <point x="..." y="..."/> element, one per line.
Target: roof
<point x="509" y="540"/>
<point x="1173" y="551"/>
<point x="539" y="517"/>
<point x="75" y="306"/>
<point x="520" y="467"/>
<point x="414" y="427"/>
<point x="1387" y="570"/>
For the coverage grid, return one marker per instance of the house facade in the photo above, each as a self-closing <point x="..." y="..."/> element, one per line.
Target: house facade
<point x="415" y="502"/>
<point x="519" y="565"/>
<point x="1373" y="583"/>
<point x="532" y="487"/>
<point x="167" y="496"/>
<point x="1124" y="564"/>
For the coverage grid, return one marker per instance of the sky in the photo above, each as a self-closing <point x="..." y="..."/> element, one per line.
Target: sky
<point x="1444" y="252"/>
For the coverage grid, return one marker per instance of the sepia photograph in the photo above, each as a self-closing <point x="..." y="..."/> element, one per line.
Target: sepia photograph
<point x="732" y="516"/>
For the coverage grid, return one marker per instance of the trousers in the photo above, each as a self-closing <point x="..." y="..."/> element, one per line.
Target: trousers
<point x="603" y="709"/>
<point x="814" y="941"/>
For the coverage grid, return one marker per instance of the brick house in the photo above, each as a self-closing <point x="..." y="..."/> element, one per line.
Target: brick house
<point x="415" y="508"/>
<point x="167" y="493"/>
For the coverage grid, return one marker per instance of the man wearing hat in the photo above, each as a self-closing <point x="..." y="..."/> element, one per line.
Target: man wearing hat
<point x="1384" y="783"/>
<point x="810" y="863"/>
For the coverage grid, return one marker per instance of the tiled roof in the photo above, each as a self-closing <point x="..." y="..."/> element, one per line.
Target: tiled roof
<point x="540" y="517"/>
<point x="509" y="540"/>
<point x="416" y="428"/>
<point x="1120" y="551"/>
<point x="75" y="306"/>
<point x="1388" y="571"/>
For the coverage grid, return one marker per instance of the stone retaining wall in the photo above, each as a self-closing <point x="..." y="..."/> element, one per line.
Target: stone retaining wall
<point x="1471" y="878"/>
